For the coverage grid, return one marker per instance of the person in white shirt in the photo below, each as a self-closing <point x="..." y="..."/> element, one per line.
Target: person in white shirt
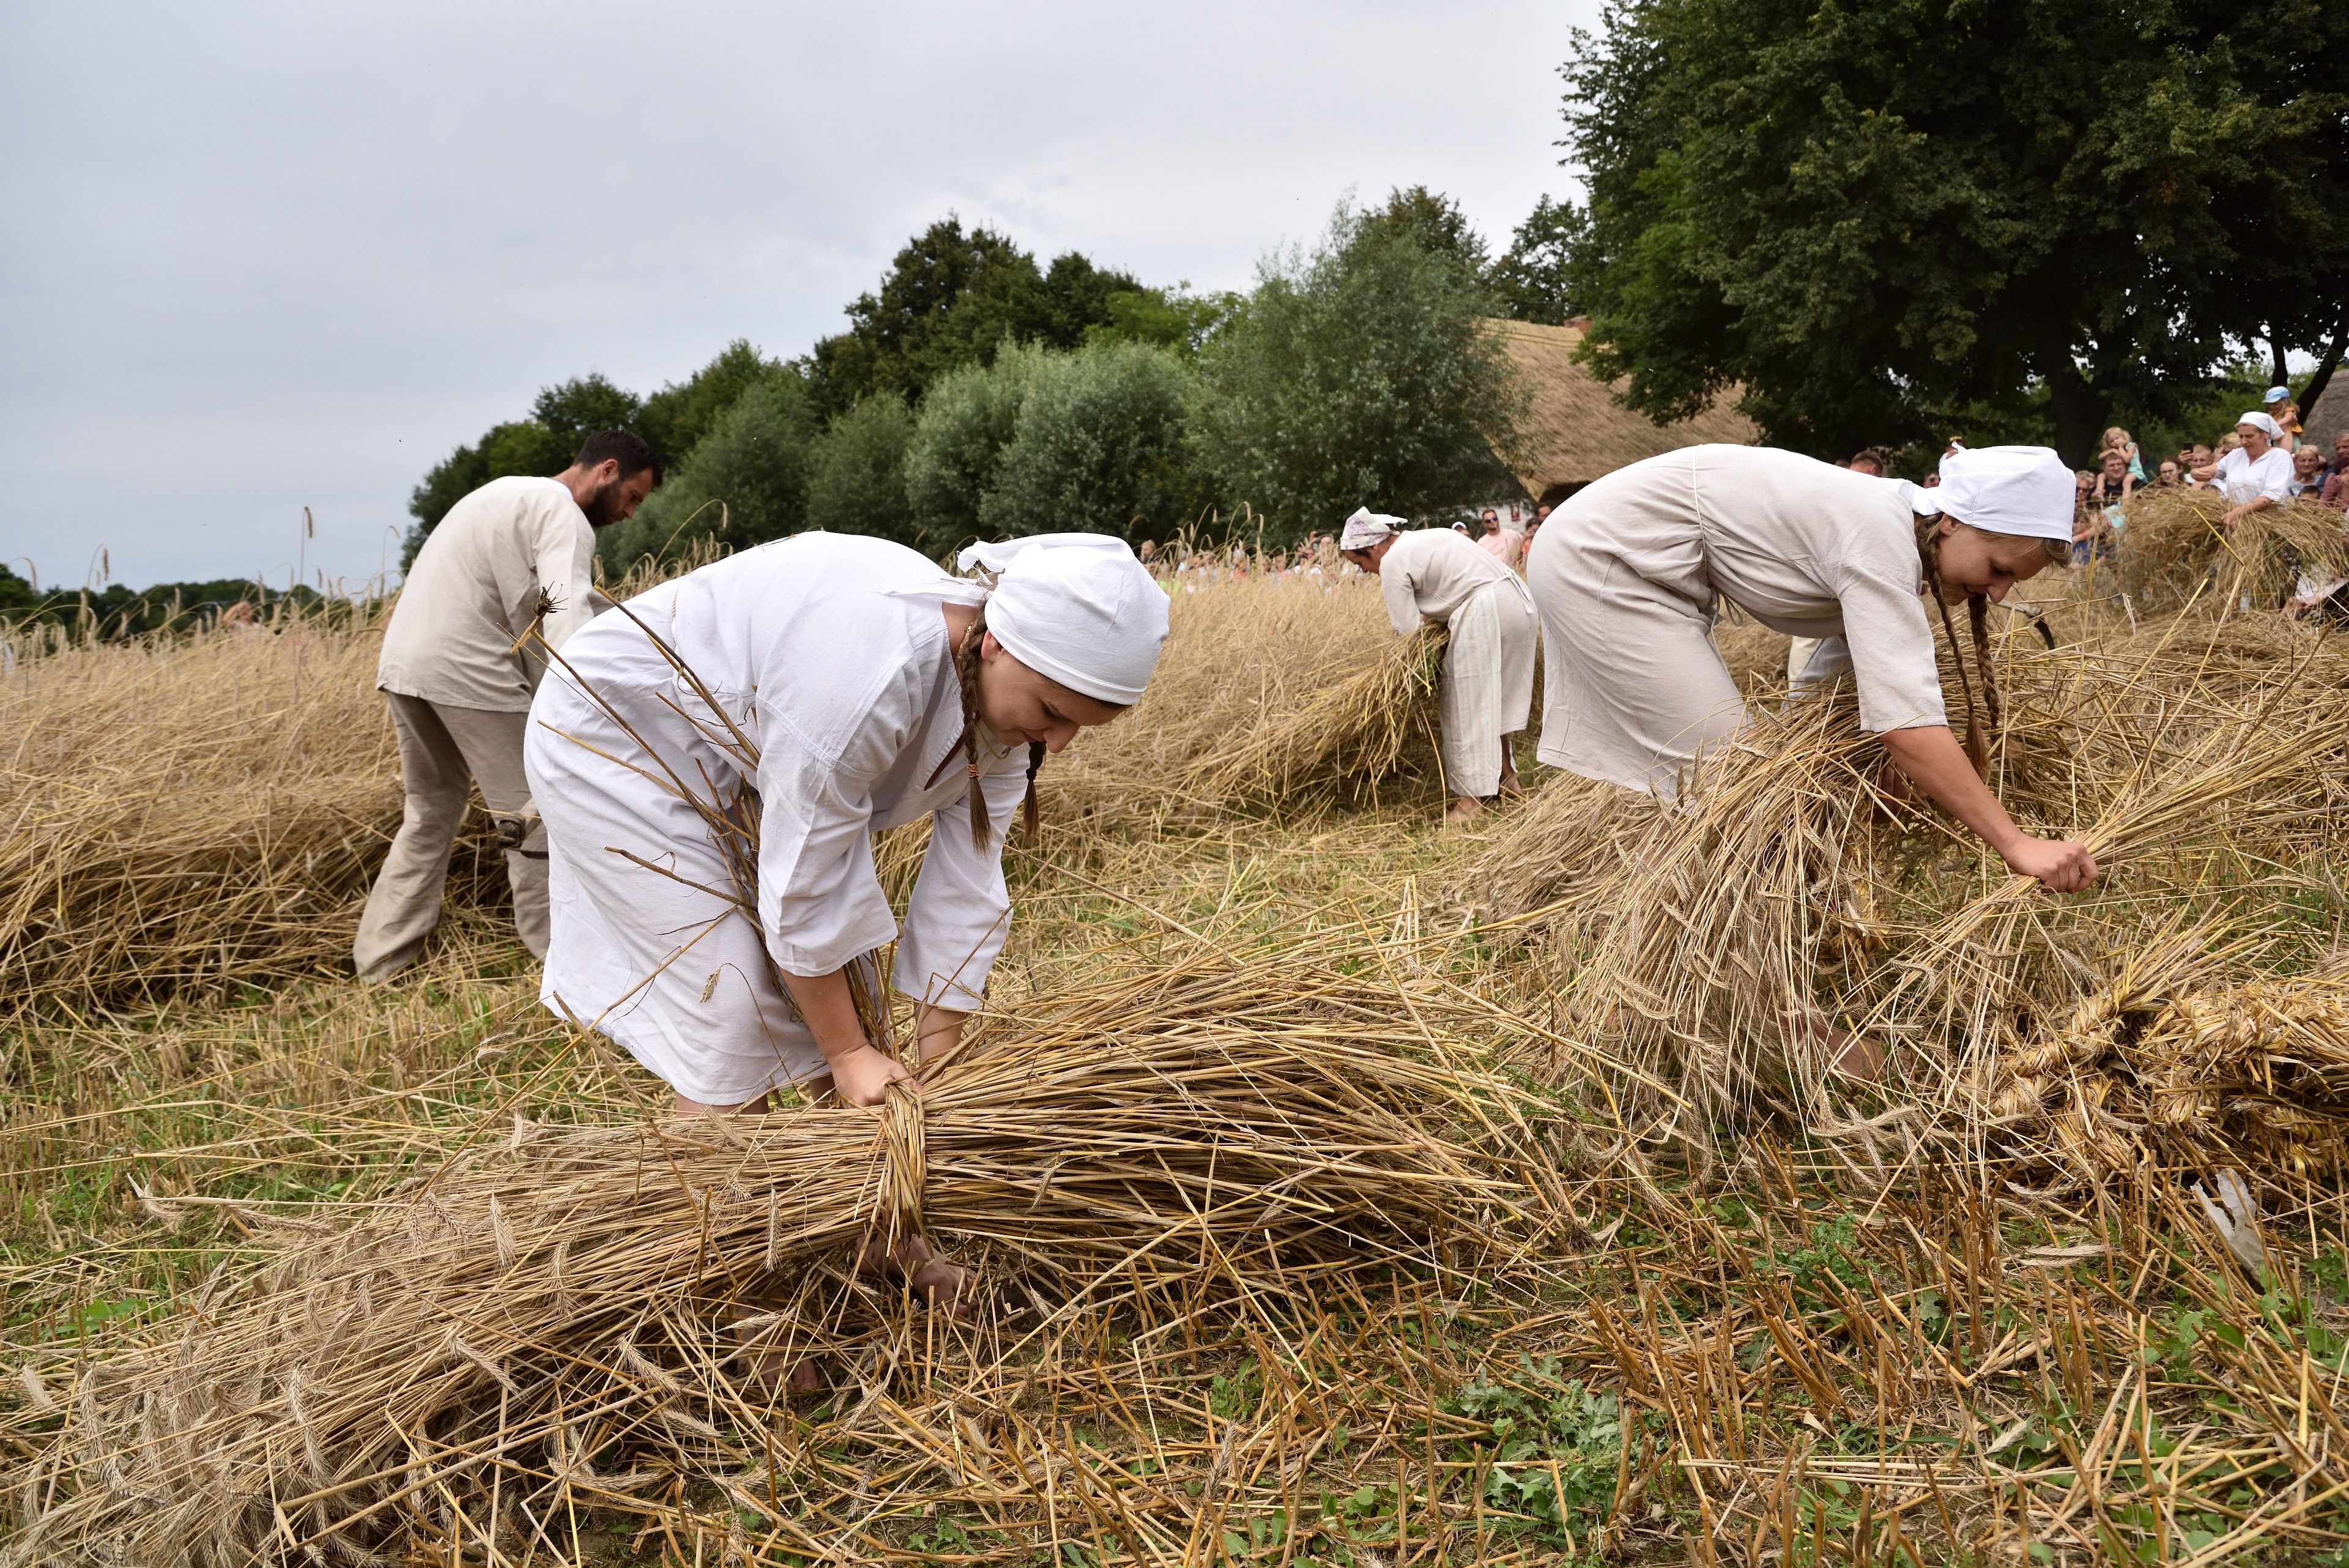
<point x="1629" y="575"/>
<point x="459" y="678"/>
<point x="833" y="685"/>
<point x="1506" y="546"/>
<point x="2254" y="475"/>
<point x="1487" y="694"/>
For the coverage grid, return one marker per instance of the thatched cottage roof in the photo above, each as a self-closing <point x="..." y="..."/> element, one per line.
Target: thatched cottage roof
<point x="1575" y="430"/>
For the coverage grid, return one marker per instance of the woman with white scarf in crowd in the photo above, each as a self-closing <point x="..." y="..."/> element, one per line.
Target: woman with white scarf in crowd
<point x="1630" y="572"/>
<point x="852" y="686"/>
<point x="2255" y="475"/>
<point x="1486" y="693"/>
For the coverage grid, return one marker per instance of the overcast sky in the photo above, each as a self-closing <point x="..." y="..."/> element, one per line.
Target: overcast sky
<point x="264" y="256"/>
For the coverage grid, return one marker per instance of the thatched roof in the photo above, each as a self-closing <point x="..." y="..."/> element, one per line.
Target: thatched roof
<point x="2329" y="417"/>
<point x="1575" y="430"/>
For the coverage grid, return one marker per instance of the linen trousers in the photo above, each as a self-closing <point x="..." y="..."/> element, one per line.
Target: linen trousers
<point x="444" y="754"/>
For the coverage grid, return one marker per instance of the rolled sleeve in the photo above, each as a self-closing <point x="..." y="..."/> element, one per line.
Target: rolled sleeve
<point x="960" y="910"/>
<point x="1890" y="646"/>
<point x="1401" y="595"/>
<point x="565" y="554"/>
<point x="820" y="900"/>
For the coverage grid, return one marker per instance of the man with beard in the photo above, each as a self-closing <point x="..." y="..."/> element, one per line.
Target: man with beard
<point x="458" y="679"/>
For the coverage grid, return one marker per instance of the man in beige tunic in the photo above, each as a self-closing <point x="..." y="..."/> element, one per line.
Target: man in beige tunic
<point x="1487" y="691"/>
<point x="460" y="688"/>
<point x="1628" y="581"/>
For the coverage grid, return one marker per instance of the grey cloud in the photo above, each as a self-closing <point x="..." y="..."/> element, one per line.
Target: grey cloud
<point x="260" y="256"/>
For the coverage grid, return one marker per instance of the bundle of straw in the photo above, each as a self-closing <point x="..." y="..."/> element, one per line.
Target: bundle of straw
<point x="1784" y="897"/>
<point x="184" y="813"/>
<point x="1288" y="693"/>
<point x="1339" y="741"/>
<point x="2177" y="545"/>
<point x="548" y="1311"/>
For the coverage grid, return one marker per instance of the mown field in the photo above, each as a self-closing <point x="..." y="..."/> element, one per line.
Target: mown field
<point x="1347" y="1189"/>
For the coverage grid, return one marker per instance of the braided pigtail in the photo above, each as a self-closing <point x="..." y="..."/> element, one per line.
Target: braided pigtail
<point x="1030" y="818"/>
<point x="966" y="662"/>
<point x="1929" y="549"/>
<point x="1978" y="615"/>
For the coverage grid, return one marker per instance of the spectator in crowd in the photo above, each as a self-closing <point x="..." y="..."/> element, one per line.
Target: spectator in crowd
<point x="2169" y="476"/>
<point x="2090" y="533"/>
<point x="2120" y="441"/>
<point x="2286" y="414"/>
<point x="2256" y="475"/>
<point x="1869" y="461"/>
<point x="2115" y="485"/>
<point x="2340" y="456"/>
<point x="2308" y="471"/>
<point x="1458" y="526"/>
<point x="1933" y="480"/>
<point x="2195" y="459"/>
<point x="2230" y="442"/>
<point x="1506" y="546"/>
<point x="1533" y="532"/>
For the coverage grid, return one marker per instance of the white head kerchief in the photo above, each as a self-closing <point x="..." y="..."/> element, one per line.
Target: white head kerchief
<point x="2263" y="424"/>
<point x="1366" y="528"/>
<point x="1077" y="608"/>
<point x="2024" y="490"/>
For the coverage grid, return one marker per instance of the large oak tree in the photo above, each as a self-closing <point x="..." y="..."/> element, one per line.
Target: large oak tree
<point x="1895" y="220"/>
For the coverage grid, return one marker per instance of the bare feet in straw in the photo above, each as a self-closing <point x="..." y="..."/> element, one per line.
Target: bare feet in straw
<point x="787" y="1374"/>
<point x="1464" y="808"/>
<point x="937" y="1282"/>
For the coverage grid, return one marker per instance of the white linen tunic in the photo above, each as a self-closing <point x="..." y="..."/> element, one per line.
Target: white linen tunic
<point x="830" y="655"/>
<point x="2242" y="480"/>
<point x="1487" y="690"/>
<point x="474" y="588"/>
<point x="1627" y="576"/>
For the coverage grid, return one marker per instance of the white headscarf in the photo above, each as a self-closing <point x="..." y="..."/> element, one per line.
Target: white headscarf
<point x="2263" y="424"/>
<point x="1366" y="528"/>
<point x="1077" y="608"/>
<point x="2021" y="490"/>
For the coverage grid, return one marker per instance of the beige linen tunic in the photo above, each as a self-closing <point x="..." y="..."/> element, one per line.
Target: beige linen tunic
<point x="1487" y="690"/>
<point x="1628" y="573"/>
<point x="474" y="589"/>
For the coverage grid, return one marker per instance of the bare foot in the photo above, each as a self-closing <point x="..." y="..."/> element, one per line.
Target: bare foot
<point x="938" y="1282"/>
<point x="1853" y="1055"/>
<point x="1464" y="808"/>
<point x="785" y="1373"/>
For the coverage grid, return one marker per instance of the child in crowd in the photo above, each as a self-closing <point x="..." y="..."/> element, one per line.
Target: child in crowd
<point x="2286" y="414"/>
<point x="2168" y="476"/>
<point x="2120" y="441"/>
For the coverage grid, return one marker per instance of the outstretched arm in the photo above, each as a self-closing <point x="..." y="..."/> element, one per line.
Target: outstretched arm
<point x="1934" y="760"/>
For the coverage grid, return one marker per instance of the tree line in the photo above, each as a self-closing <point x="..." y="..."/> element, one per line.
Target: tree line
<point x="975" y="391"/>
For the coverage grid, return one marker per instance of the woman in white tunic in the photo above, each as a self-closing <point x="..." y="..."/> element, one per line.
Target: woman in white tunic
<point x="849" y="686"/>
<point x="1629" y="571"/>
<point x="1487" y="690"/>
